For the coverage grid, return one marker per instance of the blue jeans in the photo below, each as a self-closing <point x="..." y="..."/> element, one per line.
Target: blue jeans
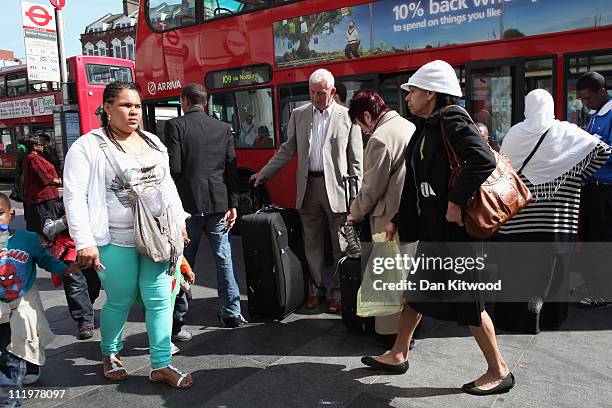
<point x="12" y="370"/>
<point x="218" y="238"/>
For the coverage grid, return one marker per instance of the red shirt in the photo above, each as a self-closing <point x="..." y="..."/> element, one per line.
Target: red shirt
<point x="38" y="174"/>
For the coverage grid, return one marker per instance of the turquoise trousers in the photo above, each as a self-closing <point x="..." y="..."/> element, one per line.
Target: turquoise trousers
<point x="128" y="273"/>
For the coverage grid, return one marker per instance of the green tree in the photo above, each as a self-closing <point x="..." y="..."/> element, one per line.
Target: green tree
<point x="512" y="33"/>
<point x="314" y="24"/>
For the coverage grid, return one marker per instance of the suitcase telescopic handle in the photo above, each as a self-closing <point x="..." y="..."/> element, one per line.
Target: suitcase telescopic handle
<point x="346" y="181"/>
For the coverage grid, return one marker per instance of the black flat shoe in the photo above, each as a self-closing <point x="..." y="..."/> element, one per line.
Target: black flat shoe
<point x="400" y="368"/>
<point x="500" y="388"/>
<point x="387" y="341"/>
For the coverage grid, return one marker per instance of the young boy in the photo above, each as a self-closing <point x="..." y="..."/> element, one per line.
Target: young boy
<point x="24" y="329"/>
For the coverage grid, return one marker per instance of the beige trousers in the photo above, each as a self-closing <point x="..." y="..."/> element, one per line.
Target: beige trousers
<point x="30" y="332"/>
<point x="316" y="215"/>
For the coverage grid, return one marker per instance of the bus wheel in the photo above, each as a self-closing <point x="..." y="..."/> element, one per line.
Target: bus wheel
<point x="250" y="200"/>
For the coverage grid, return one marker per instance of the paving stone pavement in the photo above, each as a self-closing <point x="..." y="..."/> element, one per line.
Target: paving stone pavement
<point x="309" y="360"/>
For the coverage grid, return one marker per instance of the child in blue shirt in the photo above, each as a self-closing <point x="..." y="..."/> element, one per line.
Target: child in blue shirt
<point x="24" y="329"/>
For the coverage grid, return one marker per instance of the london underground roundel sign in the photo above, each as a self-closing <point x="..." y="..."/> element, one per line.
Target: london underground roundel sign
<point x="39" y="16"/>
<point x="58" y="4"/>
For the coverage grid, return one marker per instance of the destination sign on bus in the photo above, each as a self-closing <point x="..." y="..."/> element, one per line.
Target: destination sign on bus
<point x="245" y="76"/>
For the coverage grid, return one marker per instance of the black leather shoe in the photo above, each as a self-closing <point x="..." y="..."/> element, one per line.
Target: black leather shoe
<point x="85" y="332"/>
<point x="400" y="368"/>
<point x="387" y="341"/>
<point x="500" y="388"/>
<point x="233" y="321"/>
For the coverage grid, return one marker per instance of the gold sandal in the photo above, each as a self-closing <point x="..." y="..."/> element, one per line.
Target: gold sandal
<point x="112" y="364"/>
<point x="179" y="382"/>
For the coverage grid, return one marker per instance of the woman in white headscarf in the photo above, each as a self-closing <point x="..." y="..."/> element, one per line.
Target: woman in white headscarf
<point x="563" y="154"/>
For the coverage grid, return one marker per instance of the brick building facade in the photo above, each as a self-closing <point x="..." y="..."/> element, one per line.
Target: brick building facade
<point x="113" y="35"/>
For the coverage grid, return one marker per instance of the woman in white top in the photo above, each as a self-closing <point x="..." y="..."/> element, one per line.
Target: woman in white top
<point x="101" y="222"/>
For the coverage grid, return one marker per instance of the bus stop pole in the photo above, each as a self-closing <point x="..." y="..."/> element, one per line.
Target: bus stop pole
<point x="62" y="56"/>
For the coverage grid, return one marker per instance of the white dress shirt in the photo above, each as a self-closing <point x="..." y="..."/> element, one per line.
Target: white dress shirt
<point x="320" y="124"/>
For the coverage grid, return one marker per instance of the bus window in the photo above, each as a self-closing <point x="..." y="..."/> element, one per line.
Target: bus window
<point x="539" y="75"/>
<point x="216" y="8"/>
<point x="2" y="91"/>
<point x="291" y="97"/>
<point x="491" y="99"/>
<point x="16" y="84"/>
<point x="43" y="86"/>
<point x="163" y="114"/>
<point x="250" y="115"/>
<point x="167" y="14"/>
<point x="105" y="74"/>
<point x="6" y="144"/>
<point x="393" y="95"/>
<point x="352" y="86"/>
<point x="576" y="112"/>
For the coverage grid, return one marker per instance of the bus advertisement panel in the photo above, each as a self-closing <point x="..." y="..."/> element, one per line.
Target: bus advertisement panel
<point x="390" y="26"/>
<point x="25" y="108"/>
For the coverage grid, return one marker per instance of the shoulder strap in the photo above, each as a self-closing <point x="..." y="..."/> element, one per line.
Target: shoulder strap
<point x="533" y="151"/>
<point x="453" y="159"/>
<point x="111" y="159"/>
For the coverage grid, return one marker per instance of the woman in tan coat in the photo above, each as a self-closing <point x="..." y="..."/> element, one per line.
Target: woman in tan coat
<point x="383" y="178"/>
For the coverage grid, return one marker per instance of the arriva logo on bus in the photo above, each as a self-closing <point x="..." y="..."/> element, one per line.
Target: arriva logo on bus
<point x="153" y="87"/>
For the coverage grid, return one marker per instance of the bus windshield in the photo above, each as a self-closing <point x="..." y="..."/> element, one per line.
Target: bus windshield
<point x="98" y="74"/>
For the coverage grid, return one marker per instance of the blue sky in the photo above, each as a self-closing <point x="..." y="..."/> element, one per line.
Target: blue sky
<point x="77" y="14"/>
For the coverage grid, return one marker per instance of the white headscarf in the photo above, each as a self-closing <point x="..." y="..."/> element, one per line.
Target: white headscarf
<point x="563" y="148"/>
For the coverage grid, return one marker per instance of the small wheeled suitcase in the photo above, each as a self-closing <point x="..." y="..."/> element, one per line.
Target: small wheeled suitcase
<point x="349" y="270"/>
<point x="274" y="275"/>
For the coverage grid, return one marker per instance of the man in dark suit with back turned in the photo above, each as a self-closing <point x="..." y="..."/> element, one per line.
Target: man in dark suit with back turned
<point x="203" y="166"/>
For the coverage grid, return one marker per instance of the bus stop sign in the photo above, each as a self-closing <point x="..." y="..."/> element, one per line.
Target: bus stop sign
<point x="58" y="4"/>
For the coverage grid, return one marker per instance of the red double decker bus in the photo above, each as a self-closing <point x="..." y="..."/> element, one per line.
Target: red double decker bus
<point x="255" y="58"/>
<point x="27" y="107"/>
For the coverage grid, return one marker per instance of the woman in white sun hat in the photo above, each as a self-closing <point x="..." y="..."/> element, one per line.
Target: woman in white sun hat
<point x="431" y="213"/>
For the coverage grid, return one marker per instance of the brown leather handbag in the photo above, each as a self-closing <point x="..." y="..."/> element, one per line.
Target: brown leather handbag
<point x="498" y="199"/>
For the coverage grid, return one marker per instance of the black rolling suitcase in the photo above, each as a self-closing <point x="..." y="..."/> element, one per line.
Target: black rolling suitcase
<point x="349" y="271"/>
<point x="274" y="274"/>
<point x="350" y="281"/>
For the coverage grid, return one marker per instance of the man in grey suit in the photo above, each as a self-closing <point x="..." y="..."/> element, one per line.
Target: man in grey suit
<point x="328" y="147"/>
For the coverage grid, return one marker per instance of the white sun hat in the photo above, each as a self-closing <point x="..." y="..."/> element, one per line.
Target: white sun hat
<point x="437" y="76"/>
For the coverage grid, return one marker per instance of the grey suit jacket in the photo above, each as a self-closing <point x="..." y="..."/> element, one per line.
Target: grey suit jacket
<point x="342" y="153"/>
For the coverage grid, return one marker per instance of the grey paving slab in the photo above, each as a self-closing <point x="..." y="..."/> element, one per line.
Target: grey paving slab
<point x="319" y="374"/>
<point x="212" y="374"/>
<point x="451" y="329"/>
<point x="438" y="368"/>
<point x="270" y="341"/>
<point x="563" y="370"/>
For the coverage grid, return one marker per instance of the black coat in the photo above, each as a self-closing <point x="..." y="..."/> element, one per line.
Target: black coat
<point x="469" y="144"/>
<point x="430" y="226"/>
<point x="202" y="162"/>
